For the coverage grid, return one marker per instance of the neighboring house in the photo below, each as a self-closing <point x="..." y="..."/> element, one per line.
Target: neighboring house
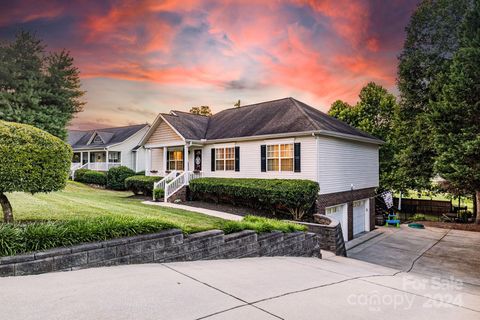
<point x="283" y="139"/>
<point x="102" y="149"/>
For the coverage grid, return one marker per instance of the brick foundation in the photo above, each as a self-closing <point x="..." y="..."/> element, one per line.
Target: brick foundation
<point x="181" y="195"/>
<point x="332" y="199"/>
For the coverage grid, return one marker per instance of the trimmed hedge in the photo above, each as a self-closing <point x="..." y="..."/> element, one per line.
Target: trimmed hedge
<point x="116" y="177"/>
<point x="294" y="196"/>
<point x="141" y="184"/>
<point x="32" y="160"/>
<point x="158" y="194"/>
<point x="94" y="177"/>
<point x="22" y="238"/>
<point x="80" y="173"/>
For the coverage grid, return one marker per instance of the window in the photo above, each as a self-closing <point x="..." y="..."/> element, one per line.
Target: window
<point x="175" y="160"/>
<point x="280" y="157"/>
<point x="97" y="140"/>
<point x="335" y="209"/>
<point x="225" y="159"/>
<point x="76" y="157"/>
<point x="114" y="157"/>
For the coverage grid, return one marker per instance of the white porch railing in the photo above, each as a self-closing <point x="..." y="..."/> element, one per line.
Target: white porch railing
<point x="102" y="166"/>
<point x="161" y="184"/>
<point x="74" y="167"/>
<point x="181" y="180"/>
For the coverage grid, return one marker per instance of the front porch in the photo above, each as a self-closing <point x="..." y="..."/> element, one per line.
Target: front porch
<point x="164" y="159"/>
<point x="96" y="160"/>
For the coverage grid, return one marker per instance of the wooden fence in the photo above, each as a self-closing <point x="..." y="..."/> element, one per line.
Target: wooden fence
<point x="410" y="207"/>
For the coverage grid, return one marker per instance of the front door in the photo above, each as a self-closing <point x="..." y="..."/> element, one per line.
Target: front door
<point x="197" y="160"/>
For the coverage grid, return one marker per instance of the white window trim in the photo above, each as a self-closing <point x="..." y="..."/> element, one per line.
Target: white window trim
<point x="176" y="161"/>
<point x="280" y="156"/>
<point x="225" y="158"/>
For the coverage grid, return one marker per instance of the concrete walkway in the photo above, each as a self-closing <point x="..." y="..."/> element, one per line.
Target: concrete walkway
<point x="208" y="212"/>
<point x="430" y="251"/>
<point x="251" y="288"/>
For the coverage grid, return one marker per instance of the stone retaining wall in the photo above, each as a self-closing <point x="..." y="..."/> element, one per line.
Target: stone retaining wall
<point x="330" y="236"/>
<point x="165" y="246"/>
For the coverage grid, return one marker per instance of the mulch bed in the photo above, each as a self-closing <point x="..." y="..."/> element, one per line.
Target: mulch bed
<point x="451" y="225"/>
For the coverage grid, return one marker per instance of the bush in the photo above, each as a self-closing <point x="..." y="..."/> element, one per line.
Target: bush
<point x="158" y="193"/>
<point x="94" y="177"/>
<point x="141" y="184"/>
<point x="260" y="224"/>
<point x="79" y="174"/>
<point x="140" y="173"/>
<point x="116" y="177"/>
<point x="31" y="160"/>
<point x="294" y="196"/>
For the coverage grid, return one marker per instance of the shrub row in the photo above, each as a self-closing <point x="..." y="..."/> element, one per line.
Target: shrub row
<point x="296" y="197"/>
<point x="22" y="238"/>
<point x="141" y="184"/>
<point x="114" y="179"/>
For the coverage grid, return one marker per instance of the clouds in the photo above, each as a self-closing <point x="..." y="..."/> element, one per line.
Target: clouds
<point x="216" y="51"/>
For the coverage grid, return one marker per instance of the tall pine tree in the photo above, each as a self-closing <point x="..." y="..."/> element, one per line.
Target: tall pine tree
<point x="38" y="89"/>
<point x="432" y="40"/>
<point x="456" y="117"/>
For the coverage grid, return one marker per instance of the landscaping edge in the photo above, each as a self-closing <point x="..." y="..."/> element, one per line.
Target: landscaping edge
<point x="165" y="246"/>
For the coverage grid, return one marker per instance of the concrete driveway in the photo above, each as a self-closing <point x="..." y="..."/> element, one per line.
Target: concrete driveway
<point x="431" y="252"/>
<point x="252" y="288"/>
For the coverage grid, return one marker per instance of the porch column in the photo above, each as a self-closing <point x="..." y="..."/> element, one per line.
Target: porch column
<point x="164" y="163"/>
<point x="185" y="155"/>
<point x="106" y="158"/>
<point x="148" y="162"/>
<point x="81" y="158"/>
<point x="88" y="160"/>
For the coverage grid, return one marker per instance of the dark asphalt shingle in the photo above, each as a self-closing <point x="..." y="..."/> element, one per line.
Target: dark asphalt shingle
<point x="78" y="139"/>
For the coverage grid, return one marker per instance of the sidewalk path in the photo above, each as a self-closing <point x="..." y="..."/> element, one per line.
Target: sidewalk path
<point x="208" y="212"/>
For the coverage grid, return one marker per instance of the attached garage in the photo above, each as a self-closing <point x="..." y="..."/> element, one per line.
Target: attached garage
<point x="361" y="216"/>
<point x="339" y="213"/>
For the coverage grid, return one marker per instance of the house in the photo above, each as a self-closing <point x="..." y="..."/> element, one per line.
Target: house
<point x="284" y="139"/>
<point x="102" y="149"/>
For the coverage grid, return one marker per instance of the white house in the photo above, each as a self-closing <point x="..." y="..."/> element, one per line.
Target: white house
<point x="102" y="149"/>
<point x="284" y="139"/>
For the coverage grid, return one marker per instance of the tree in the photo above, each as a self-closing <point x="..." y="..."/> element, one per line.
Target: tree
<point x="456" y="117"/>
<point x="374" y="114"/>
<point x="31" y="160"/>
<point x="38" y="89"/>
<point x="202" y="110"/>
<point x="432" y="39"/>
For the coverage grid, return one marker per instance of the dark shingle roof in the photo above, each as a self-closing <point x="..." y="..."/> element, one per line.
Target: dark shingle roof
<point x="78" y="139"/>
<point x="272" y="117"/>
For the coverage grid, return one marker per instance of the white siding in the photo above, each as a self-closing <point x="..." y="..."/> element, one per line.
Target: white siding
<point x="126" y="148"/>
<point x="344" y="162"/>
<point x="164" y="134"/>
<point x="250" y="165"/>
<point x="157" y="159"/>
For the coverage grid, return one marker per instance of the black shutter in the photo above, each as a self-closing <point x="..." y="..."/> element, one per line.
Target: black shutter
<point x="263" y="157"/>
<point x="237" y="158"/>
<point x="213" y="160"/>
<point x="168" y="161"/>
<point x="296" y="156"/>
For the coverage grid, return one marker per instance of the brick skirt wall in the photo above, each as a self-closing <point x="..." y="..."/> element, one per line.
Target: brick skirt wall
<point x="165" y="246"/>
<point x="331" y="199"/>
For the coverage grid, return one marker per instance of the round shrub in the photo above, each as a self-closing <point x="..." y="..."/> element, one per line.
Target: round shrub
<point x="78" y="176"/>
<point x="158" y="194"/>
<point x="116" y="177"/>
<point x="95" y="177"/>
<point x="141" y="184"/>
<point x="31" y="160"/>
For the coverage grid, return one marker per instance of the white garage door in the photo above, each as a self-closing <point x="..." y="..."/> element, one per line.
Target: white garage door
<point x="339" y="213"/>
<point x="360" y="216"/>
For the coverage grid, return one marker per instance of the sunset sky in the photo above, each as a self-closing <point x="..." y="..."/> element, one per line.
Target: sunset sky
<point x="139" y="58"/>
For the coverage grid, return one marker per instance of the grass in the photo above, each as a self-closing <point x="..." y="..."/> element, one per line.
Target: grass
<point x="81" y="214"/>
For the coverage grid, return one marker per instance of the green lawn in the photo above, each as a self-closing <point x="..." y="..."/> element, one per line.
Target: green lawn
<point x="438" y="196"/>
<point x="81" y="201"/>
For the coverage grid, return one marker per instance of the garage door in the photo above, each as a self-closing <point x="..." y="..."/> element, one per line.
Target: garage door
<point x="339" y="213"/>
<point x="359" y="216"/>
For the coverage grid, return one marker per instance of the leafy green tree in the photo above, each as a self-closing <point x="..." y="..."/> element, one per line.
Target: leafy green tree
<point x="36" y="88"/>
<point x="432" y="39"/>
<point x="374" y="113"/>
<point x="456" y="117"/>
<point x="202" y="110"/>
<point x="31" y="160"/>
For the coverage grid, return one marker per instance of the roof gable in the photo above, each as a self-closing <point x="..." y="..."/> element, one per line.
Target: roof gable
<point x="109" y="136"/>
